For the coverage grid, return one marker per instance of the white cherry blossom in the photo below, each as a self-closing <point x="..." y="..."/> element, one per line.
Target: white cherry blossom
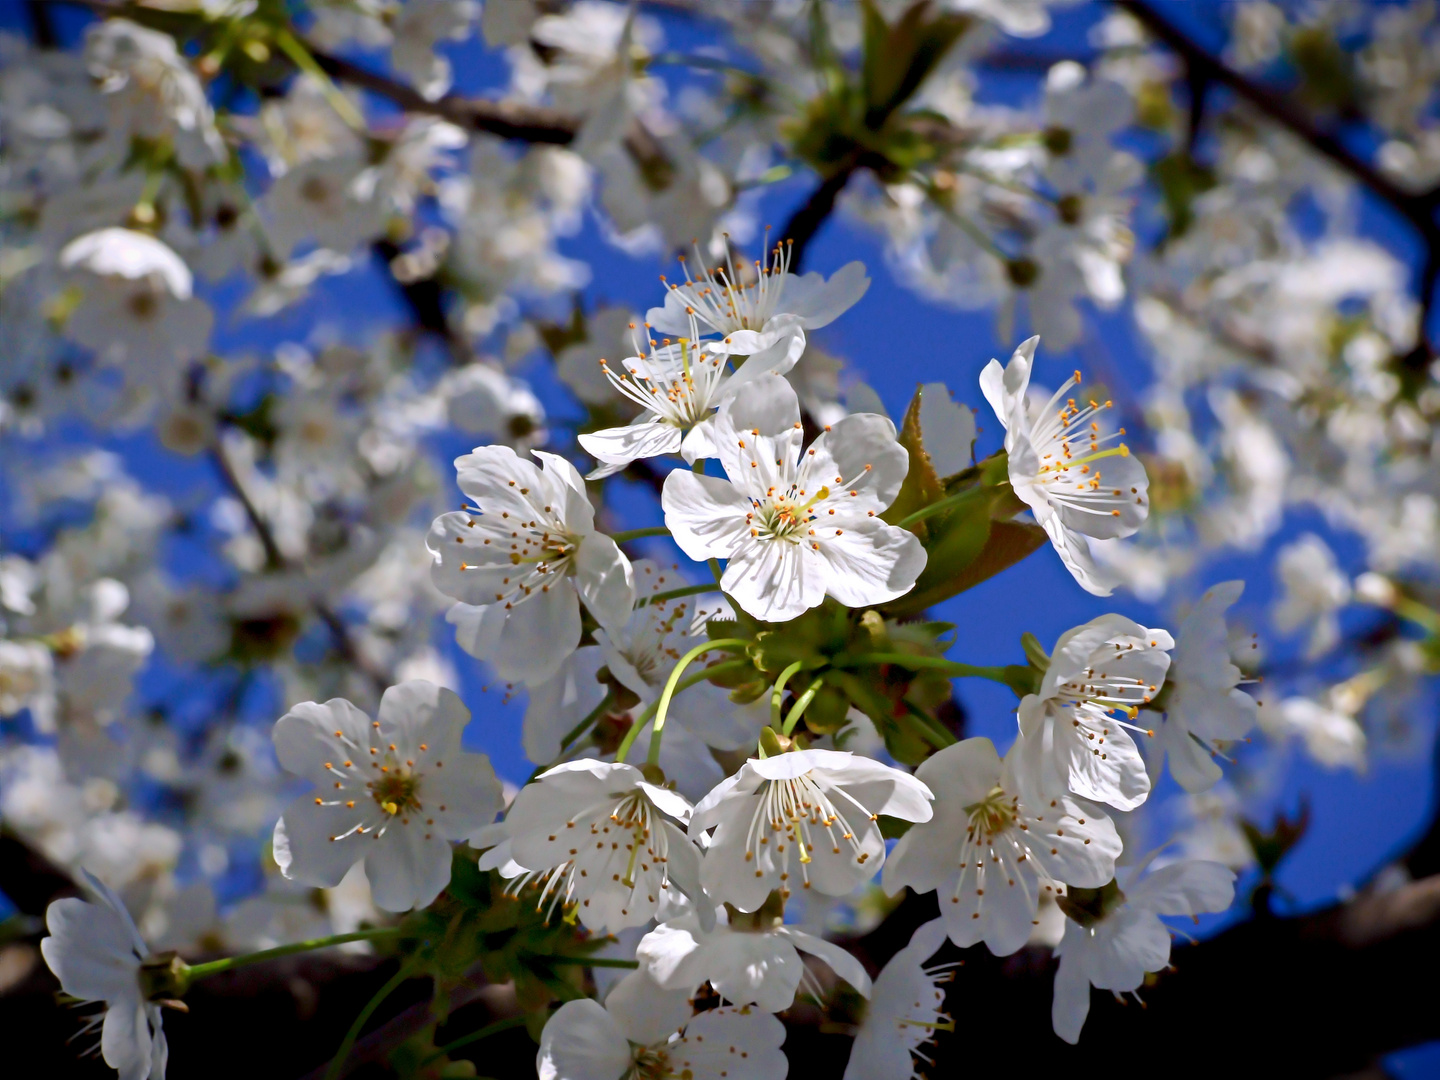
<point x="1206" y="708"/>
<point x="95" y="951"/>
<point x="587" y="1041"/>
<point x="906" y="1010"/>
<point x="137" y="305"/>
<point x="989" y="851"/>
<point x="393" y="792"/>
<point x="597" y="835"/>
<point x="805" y="819"/>
<point x="1072" y="739"/>
<point x="748" y="960"/>
<point x="1115" y="951"/>
<point x="521" y="560"/>
<point x="796" y="526"/>
<point x="1059" y="465"/>
<point x="752" y="315"/>
<point x="1315" y="589"/>
<point x="679" y="385"/>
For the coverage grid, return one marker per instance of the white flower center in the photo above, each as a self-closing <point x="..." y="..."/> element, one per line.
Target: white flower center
<point x="380" y="786"/>
<point x="799" y="814"/>
<point x="676" y="382"/>
<point x="726" y="303"/>
<point x="1077" y="481"/>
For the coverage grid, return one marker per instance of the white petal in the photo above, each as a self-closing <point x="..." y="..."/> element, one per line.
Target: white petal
<point x="644" y="1011"/>
<point x="302" y="846"/>
<point x="605" y="581"/>
<point x="775" y="358"/>
<point x="622" y="445"/>
<point x="125" y="1037"/>
<point x="870" y="562"/>
<point x="407" y="868"/>
<point x="582" y="1042"/>
<point x="305" y="737"/>
<point x="705" y="515"/>
<point x="700" y="442"/>
<point x="537" y="635"/>
<point x="840" y="961"/>
<point x="1071" y="1004"/>
<point x="1192" y="887"/>
<point x="418" y="712"/>
<point x="774" y="580"/>
<point x="715" y="1038"/>
<point x="817" y="302"/>
<point x="469" y="791"/>
<point x="89" y="950"/>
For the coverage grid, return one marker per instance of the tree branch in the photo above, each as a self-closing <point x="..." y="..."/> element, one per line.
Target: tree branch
<point x="1417" y="208"/>
<point x="806" y="221"/>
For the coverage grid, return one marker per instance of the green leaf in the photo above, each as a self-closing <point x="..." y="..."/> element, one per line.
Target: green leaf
<point x="899" y="58"/>
<point x="921" y="487"/>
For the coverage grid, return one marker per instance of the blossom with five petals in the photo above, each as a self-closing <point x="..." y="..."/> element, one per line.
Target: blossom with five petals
<point x="806" y="819"/>
<point x="520" y="561"/>
<point x="906" y="1009"/>
<point x="1072" y="740"/>
<point x="1116" y="950"/>
<point x="1206" y="706"/>
<point x="393" y="791"/>
<point x="747" y="960"/>
<point x="679" y="385"/>
<point x="95" y="951"/>
<point x="598" y="835"/>
<point x="989" y="851"/>
<point x="796" y="526"/>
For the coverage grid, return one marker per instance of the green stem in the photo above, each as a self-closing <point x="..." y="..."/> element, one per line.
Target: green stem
<point x="337" y="1063"/>
<point x="939" y="663"/>
<point x="300" y="56"/>
<point x="653" y="757"/>
<point x="950" y="502"/>
<point x="591" y="961"/>
<point x="777" y="695"/>
<point x="474" y="1037"/>
<point x="931" y="730"/>
<point x="801" y="704"/>
<point x="672" y="594"/>
<point x="215" y="967"/>
<point x="714" y="565"/>
<point x="701" y="676"/>
<point x="639" y="534"/>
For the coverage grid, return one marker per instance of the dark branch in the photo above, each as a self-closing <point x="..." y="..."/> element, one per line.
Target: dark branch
<point x="1418" y="209"/>
<point x="806" y="221"/>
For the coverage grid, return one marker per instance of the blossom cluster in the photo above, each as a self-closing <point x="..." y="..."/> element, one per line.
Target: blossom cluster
<point x="228" y="499"/>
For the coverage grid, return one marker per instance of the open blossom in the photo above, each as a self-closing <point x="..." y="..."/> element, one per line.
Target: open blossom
<point x="393" y="791"/>
<point x="1114" y="948"/>
<point x="805" y="819"/>
<point x="989" y="851"/>
<point x="1315" y="590"/>
<point x="753" y="315"/>
<point x="1072" y="739"/>
<point x="748" y="960"/>
<point x="1206" y="706"/>
<point x="796" y="526"/>
<point x="137" y="305"/>
<point x="620" y="1040"/>
<point x="679" y="385"/>
<point x="1060" y="466"/>
<point x="597" y="835"/>
<point x="906" y="1010"/>
<point x="95" y="951"/>
<point x="521" y="560"/>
